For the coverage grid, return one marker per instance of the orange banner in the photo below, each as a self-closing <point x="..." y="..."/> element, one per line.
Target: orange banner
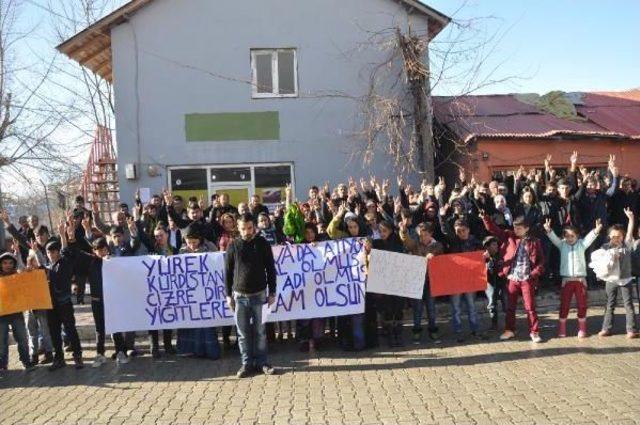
<point x="453" y="274"/>
<point x="24" y="291"/>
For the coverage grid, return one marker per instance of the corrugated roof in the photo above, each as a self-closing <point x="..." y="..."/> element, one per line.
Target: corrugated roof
<point x="615" y="111"/>
<point x="504" y="116"/>
<point x="91" y="47"/>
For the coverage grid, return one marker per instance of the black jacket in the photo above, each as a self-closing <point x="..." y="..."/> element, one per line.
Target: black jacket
<point x="59" y="275"/>
<point x="249" y="266"/>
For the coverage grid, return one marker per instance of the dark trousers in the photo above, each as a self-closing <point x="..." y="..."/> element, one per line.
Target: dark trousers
<point x="81" y="282"/>
<point x="62" y="314"/>
<point x="371" y="320"/>
<point x="392" y="308"/>
<point x="97" y="307"/>
<point x="167" y="336"/>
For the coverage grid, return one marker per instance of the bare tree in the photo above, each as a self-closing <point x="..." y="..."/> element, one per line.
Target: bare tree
<point x="28" y="143"/>
<point x="397" y="111"/>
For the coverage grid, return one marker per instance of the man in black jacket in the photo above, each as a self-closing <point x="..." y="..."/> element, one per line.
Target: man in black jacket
<point x="250" y="278"/>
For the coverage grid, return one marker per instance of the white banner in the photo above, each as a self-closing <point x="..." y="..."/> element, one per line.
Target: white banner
<point x="392" y="273"/>
<point x="188" y="291"/>
<point x="322" y="280"/>
<point x="151" y="292"/>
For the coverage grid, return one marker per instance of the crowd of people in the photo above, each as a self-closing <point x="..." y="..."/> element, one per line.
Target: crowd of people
<point x="536" y="227"/>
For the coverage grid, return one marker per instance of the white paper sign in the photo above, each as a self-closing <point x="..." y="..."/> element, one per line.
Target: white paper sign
<point x="145" y="195"/>
<point x="392" y="273"/>
<point x="151" y="292"/>
<point x="188" y="291"/>
<point x="322" y="280"/>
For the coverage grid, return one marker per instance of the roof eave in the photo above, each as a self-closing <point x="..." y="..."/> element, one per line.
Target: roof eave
<point x="439" y="17"/>
<point x="114" y="18"/>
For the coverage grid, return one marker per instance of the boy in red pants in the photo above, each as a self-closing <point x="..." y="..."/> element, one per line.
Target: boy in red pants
<point x="523" y="266"/>
<point x="573" y="269"/>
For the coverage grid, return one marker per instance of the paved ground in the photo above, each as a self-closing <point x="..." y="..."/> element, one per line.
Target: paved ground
<point x="560" y="381"/>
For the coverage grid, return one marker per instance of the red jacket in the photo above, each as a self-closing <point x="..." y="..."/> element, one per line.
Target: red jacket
<point x="509" y="244"/>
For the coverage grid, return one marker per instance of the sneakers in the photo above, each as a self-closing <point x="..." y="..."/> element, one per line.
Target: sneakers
<point x="121" y="358"/>
<point x="603" y="333"/>
<point x="267" y="369"/>
<point x="29" y="367"/>
<point x="434" y="337"/>
<point x="582" y="328"/>
<point x="48" y="358"/>
<point x="132" y="353"/>
<point x="78" y="363"/>
<point x="506" y="335"/>
<point x="99" y="361"/>
<point x="535" y="337"/>
<point x="155" y="353"/>
<point x="562" y="328"/>
<point x="632" y="335"/>
<point x="57" y="364"/>
<point x="243" y="372"/>
<point x="415" y="339"/>
<point x="170" y="351"/>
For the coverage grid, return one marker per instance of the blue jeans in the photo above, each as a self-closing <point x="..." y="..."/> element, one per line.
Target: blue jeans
<point x="252" y="333"/>
<point x="456" y="301"/>
<point x="496" y="294"/>
<point x="38" y="328"/>
<point x="417" y="306"/>
<point x="16" y="321"/>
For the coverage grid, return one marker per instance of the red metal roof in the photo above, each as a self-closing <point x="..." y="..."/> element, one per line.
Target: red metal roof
<point x="615" y="115"/>
<point x="615" y="111"/>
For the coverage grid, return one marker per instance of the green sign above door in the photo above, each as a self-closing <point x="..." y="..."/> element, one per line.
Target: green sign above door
<point x="232" y="126"/>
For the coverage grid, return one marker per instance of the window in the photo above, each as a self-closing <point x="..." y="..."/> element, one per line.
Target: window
<point x="275" y="73"/>
<point x="239" y="181"/>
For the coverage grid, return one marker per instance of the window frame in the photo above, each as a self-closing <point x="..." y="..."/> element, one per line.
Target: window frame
<point x="275" y="75"/>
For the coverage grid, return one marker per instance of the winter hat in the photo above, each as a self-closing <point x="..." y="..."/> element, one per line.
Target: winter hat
<point x="53" y="244"/>
<point x="350" y="216"/>
<point x="10" y="256"/>
<point x="489" y="240"/>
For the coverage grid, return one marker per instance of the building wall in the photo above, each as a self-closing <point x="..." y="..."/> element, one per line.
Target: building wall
<point x="175" y="58"/>
<point x="511" y="154"/>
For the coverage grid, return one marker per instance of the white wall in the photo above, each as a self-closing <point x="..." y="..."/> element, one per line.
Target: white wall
<point x="193" y="56"/>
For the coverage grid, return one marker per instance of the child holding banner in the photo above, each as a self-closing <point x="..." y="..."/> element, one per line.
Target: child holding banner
<point x="93" y="263"/>
<point x="311" y="331"/>
<point x="459" y="240"/>
<point x="427" y="247"/>
<point x="351" y="329"/>
<point x="392" y="306"/>
<point x="159" y="246"/>
<point x="197" y="342"/>
<point x="573" y="271"/>
<point x="523" y="266"/>
<point x="9" y="266"/>
<point x="37" y="326"/>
